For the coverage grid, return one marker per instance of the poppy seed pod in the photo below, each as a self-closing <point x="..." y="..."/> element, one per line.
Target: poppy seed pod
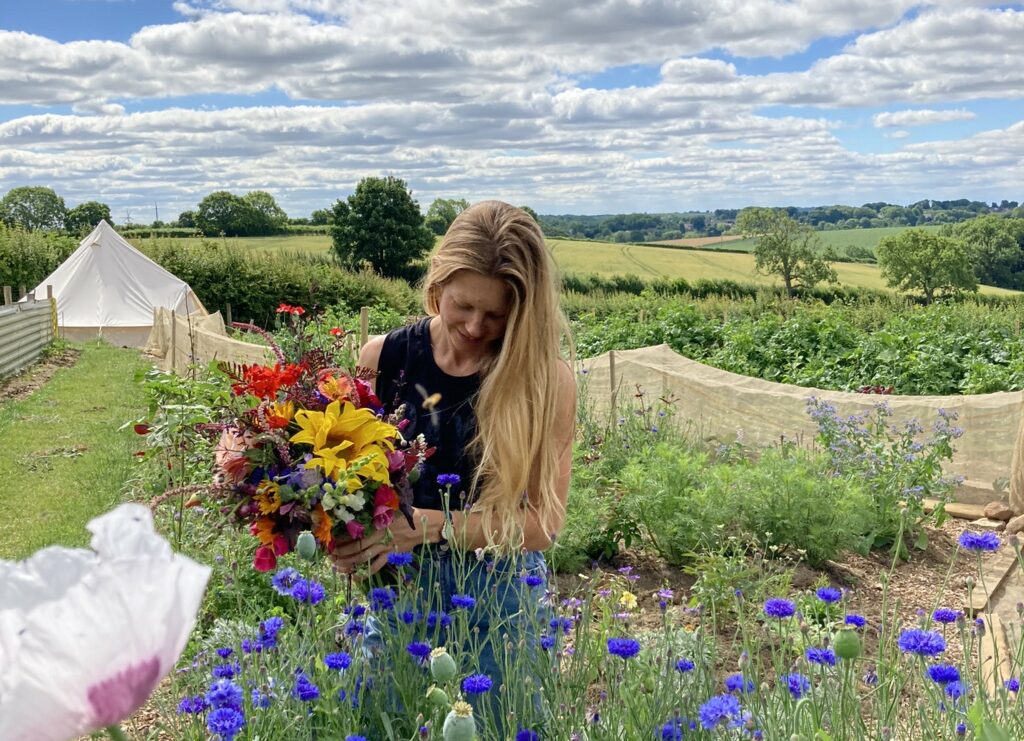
<point x="459" y="725"/>
<point x="442" y="665"/>
<point x="305" y="545"/>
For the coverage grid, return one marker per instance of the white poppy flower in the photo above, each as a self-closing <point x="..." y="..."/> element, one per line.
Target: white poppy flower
<point x="85" y="636"/>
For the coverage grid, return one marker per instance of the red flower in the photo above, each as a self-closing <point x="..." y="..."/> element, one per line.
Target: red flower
<point x="264" y="381"/>
<point x="142" y="429"/>
<point x="385" y="496"/>
<point x="337" y="331"/>
<point x="265" y="559"/>
<point x="367" y="399"/>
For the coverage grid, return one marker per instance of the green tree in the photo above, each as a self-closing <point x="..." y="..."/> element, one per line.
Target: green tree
<point x="265" y="217"/>
<point x="920" y="260"/>
<point x="224" y="213"/>
<point x="532" y="213"/>
<point x="993" y="247"/>
<point x="321" y="217"/>
<point x="380" y="225"/>
<point x="442" y="213"/>
<point x="84" y="217"/>
<point x="32" y="208"/>
<point x="187" y="220"/>
<point x="786" y="248"/>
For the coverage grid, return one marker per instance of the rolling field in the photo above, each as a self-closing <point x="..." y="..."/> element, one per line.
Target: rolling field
<point x="309" y="243"/>
<point x="837" y="239"/>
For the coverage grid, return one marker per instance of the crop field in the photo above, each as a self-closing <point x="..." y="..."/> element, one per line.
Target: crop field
<point x="837" y="239"/>
<point x="306" y="243"/>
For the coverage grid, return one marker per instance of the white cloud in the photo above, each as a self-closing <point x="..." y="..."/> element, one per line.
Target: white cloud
<point x="897" y="134"/>
<point x="920" y="117"/>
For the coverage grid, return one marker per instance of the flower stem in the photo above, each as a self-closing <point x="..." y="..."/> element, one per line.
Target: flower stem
<point x="116" y="733"/>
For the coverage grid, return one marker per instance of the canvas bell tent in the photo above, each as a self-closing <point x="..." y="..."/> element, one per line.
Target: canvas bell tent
<point x="109" y="289"/>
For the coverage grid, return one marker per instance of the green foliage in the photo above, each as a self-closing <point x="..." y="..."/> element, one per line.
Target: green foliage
<point x="785" y="248"/>
<point x="917" y="260"/>
<point x="380" y="226"/>
<point x="33" y="208"/>
<point x="26" y="258"/>
<point x="442" y="213"/>
<point x="84" y="217"/>
<point x="995" y="245"/>
<point x="254" y="214"/>
<point x="256" y="285"/>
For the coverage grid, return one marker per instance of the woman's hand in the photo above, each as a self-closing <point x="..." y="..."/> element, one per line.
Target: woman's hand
<point x="374" y="547"/>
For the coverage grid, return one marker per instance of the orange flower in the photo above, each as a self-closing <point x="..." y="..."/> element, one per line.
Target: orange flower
<point x="322" y="524"/>
<point x="335" y="388"/>
<point x="268" y="497"/>
<point x="263" y="529"/>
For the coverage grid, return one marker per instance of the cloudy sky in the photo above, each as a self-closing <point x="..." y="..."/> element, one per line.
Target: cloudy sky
<point x="591" y="106"/>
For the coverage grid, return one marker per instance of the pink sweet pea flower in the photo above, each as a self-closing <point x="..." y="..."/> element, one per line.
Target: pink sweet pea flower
<point x="85" y="635"/>
<point x="382" y="516"/>
<point x="355" y="530"/>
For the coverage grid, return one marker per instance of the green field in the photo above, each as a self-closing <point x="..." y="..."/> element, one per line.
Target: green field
<point x="837" y="239"/>
<point x="647" y="261"/>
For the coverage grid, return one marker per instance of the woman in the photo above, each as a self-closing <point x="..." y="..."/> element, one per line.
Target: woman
<point x="483" y="380"/>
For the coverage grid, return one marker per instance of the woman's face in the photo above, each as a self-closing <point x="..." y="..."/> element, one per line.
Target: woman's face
<point x="474" y="310"/>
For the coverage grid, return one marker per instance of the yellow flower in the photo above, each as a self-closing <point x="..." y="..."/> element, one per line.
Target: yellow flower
<point x="335" y="388"/>
<point x="346" y="442"/>
<point x="268" y="496"/>
<point x="281" y="413"/>
<point x="628" y="600"/>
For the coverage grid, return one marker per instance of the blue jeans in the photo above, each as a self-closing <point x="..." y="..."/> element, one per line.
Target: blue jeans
<point x="502" y="626"/>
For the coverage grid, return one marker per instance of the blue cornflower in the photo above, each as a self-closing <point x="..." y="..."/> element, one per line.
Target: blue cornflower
<point x="304" y="688"/>
<point x="354" y="628"/>
<point x="356" y="611"/>
<point x="857" y="621"/>
<point x="921" y="642"/>
<point x="396" y="558"/>
<point x="249" y="646"/>
<point x="407" y="616"/>
<point x="382" y="598"/>
<point x="779" y="608"/>
<point x="259" y="700"/>
<point x="224" y="694"/>
<point x="563" y="624"/>
<point x="674" y="729"/>
<point x="419" y="650"/>
<point x="308" y="591"/>
<point x="821" y="656"/>
<point x="448" y="479"/>
<point x="226" y="671"/>
<point x="986" y="541"/>
<point x="225" y="652"/>
<point x="945" y="615"/>
<point x="738" y="683"/>
<point x="961" y="729"/>
<point x="547" y="642"/>
<point x="525" y="734"/>
<point x="956" y="689"/>
<point x="1012" y="684"/>
<point x="476" y="684"/>
<point x="339" y="661"/>
<point x="532" y="580"/>
<point x="268" y="630"/>
<point x="624" y="648"/>
<point x="798" y="685"/>
<point x="225" y="723"/>
<point x="943" y="673"/>
<point x="193" y="705"/>
<point x="284" y="580"/>
<point x="441" y="618"/>
<point x="684" y="665"/>
<point x="829" y="594"/>
<point x="463" y="602"/>
<point x="355" y="738"/>
<point x="719" y="709"/>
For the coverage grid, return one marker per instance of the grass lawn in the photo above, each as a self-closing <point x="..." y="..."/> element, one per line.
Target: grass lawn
<point x="317" y="244"/>
<point x="65" y="461"/>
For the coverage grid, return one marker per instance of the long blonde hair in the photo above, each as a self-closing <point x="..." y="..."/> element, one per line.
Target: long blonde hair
<point x="518" y="398"/>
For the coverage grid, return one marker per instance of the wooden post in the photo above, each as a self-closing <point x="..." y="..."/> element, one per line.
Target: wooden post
<point x="364" y="326"/>
<point x="49" y="292"/>
<point x="21" y="292"/>
<point x="611" y="381"/>
<point x="227" y="312"/>
<point x="7" y="296"/>
<point x="174" y="342"/>
<point x="53" y="311"/>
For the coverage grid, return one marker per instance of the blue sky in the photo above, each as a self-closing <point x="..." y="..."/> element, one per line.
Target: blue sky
<point x="565" y="106"/>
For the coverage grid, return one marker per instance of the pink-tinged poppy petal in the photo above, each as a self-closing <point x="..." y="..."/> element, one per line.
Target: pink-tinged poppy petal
<point x="264" y="559"/>
<point x="85" y="635"/>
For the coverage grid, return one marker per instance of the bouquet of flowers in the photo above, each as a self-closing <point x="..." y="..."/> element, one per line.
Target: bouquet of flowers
<point x="309" y="448"/>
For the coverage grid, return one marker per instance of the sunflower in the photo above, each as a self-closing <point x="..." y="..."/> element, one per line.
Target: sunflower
<point x="268" y="497"/>
<point x="343" y="437"/>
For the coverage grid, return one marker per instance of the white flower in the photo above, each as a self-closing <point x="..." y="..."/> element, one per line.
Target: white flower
<point x="85" y="635"/>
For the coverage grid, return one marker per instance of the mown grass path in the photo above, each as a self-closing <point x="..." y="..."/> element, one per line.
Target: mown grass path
<point x="63" y="458"/>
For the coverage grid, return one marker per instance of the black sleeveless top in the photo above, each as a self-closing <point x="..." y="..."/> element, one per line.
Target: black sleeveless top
<point x="407" y="361"/>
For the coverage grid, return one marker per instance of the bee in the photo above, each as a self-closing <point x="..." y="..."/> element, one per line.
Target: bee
<point x="430" y="402"/>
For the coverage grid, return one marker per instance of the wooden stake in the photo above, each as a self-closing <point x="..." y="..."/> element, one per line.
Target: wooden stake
<point x="174" y="342"/>
<point x="364" y="326"/>
<point x="7" y="296"/>
<point x="227" y="312"/>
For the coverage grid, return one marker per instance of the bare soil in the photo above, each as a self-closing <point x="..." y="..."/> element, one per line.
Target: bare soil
<point x="36" y="375"/>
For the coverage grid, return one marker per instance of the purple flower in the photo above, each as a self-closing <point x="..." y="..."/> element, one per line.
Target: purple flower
<point x="225" y="723"/>
<point x="441" y="618"/>
<point x="304" y="688"/>
<point x="1012" y="684"/>
<point x="624" y="648"/>
<point x="945" y="615"/>
<point x="829" y="594"/>
<point x="563" y="624"/>
<point x="779" y="608"/>
<point x="719" y="709"/>
<point x="956" y="689"/>
<point x="821" y="656"/>
<point x="476" y="684"/>
<point x="525" y="734"/>
<point x="738" y="683"/>
<point x="921" y="642"/>
<point x="798" y="685"/>
<point x="399" y="559"/>
<point x="419" y="650"/>
<point x="284" y="580"/>
<point x="193" y="705"/>
<point x="857" y="621"/>
<point x="986" y="541"/>
<point x="226" y="671"/>
<point x="259" y="700"/>
<point x="308" y="591"/>
<point x="674" y="729"/>
<point x="532" y="580"/>
<point x="943" y="673"/>
<point x="463" y="602"/>
<point x="547" y="642"/>
<point x="225" y="652"/>
<point x="339" y="661"/>
<point x="448" y="479"/>
<point x="684" y="665"/>
<point x="224" y="694"/>
<point x="382" y="598"/>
